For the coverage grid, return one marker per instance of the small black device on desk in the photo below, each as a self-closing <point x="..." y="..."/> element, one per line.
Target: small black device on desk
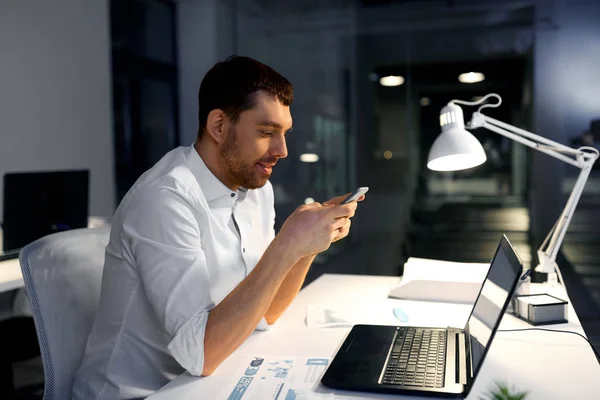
<point x="541" y="309"/>
<point x="9" y="256"/>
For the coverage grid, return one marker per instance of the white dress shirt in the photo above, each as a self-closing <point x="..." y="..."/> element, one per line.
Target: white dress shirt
<point x="180" y="242"/>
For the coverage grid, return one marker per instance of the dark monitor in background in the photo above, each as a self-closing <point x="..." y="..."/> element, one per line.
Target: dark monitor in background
<point x="37" y="204"/>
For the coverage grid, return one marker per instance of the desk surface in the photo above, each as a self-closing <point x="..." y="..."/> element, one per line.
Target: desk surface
<point x="10" y="275"/>
<point x="548" y="365"/>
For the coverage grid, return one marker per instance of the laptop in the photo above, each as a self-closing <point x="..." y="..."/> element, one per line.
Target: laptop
<point x="37" y="204"/>
<point x="441" y="362"/>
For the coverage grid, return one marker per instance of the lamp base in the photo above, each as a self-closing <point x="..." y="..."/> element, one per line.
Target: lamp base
<point x="548" y="266"/>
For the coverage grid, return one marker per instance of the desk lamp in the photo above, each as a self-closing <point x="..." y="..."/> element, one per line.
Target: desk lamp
<point x="456" y="148"/>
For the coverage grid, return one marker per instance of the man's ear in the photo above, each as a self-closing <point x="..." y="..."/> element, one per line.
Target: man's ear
<point x="215" y="125"/>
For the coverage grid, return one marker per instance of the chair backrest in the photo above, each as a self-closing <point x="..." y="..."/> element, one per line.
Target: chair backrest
<point x="63" y="275"/>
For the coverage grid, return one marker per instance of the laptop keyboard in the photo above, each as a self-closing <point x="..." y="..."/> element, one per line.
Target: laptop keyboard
<point x="418" y="358"/>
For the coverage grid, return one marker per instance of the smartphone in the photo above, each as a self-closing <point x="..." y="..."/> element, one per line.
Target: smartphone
<point x="355" y="195"/>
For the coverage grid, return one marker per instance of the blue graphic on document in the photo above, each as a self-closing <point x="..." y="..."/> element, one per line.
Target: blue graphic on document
<point x="240" y="388"/>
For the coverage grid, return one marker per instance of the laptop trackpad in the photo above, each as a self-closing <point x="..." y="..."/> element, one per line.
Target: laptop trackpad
<point x="369" y="346"/>
<point x="362" y="356"/>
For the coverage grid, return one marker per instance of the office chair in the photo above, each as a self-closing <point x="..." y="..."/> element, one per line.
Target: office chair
<point x="63" y="274"/>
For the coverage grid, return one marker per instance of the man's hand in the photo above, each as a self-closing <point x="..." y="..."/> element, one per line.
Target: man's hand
<point x="344" y="230"/>
<point x="313" y="227"/>
<point x="305" y="223"/>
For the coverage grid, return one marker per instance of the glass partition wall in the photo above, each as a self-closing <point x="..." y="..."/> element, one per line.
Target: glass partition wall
<point x="370" y="78"/>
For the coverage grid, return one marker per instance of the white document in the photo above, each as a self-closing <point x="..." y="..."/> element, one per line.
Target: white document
<point x="278" y="378"/>
<point x="447" y="271"/>
<point x="320" y="317"/>
<point x="440" y="281"/>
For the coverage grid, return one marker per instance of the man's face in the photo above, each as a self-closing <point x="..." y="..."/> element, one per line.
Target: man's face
<point x="255" y="143"/>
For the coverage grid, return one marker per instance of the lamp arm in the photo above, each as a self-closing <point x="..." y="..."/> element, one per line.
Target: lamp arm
<point x="483" y="121"/>
<point x="558" y="233"/>
<point x="529" y="135"/>
<point x="584" y="160"/>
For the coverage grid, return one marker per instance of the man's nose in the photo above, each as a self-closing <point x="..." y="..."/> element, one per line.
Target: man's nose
<point x="279" y="147"/>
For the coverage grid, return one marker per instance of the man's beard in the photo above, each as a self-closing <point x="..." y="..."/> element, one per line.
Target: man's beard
<point x="243" y="173"/>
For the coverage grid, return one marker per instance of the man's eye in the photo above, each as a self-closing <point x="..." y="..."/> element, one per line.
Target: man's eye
<point x="266" y="133"/>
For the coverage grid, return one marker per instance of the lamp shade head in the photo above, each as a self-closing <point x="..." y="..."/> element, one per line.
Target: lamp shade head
<point x="455" y="148"/>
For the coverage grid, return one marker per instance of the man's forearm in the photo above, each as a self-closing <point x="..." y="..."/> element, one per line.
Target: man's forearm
<point x="236" y="317"/>
<point x="288" y="289"/>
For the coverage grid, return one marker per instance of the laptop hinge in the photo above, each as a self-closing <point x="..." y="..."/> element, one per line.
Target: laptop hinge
<point x="461" y="359"/>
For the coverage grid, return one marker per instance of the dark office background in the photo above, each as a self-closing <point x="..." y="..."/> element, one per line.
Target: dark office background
<point x="111" y="86"/>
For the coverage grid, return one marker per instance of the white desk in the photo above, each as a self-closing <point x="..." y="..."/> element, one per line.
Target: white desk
<point x="548" y="365"/>
<point x="10" y="275"/>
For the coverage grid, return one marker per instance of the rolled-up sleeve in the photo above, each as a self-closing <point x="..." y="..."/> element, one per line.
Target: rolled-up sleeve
<point x="165" y="242"/>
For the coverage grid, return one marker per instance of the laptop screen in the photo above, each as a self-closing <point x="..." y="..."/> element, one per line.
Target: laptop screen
<point x="489" y="307"/>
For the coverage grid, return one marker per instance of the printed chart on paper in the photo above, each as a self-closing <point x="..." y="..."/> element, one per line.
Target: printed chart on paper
<point x="278" y="378"/>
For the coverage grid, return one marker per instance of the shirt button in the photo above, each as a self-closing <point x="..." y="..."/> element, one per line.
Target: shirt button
<point x="232" y="194"/>
<point x="244" y="249"/>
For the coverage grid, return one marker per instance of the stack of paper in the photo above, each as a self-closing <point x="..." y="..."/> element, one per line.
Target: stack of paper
<point x="440" y="281"/>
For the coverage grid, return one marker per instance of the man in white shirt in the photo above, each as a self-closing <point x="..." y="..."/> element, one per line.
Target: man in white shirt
<point x="193" y="265"/>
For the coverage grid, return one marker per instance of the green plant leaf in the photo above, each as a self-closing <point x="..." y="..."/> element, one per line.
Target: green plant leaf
<point x="502" y="391"/>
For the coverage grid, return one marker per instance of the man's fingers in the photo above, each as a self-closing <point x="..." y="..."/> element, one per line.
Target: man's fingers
<point x="346" y="226"/>
<point x="343" y="210"/>
<point x="343" y="231"/>
<point x="339" y="223"/>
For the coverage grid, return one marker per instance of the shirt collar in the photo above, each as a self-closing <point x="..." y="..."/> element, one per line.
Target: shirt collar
<point x="212" y="187"/>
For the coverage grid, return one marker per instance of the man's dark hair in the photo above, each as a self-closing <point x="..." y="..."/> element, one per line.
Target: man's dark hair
<point x="231" y="85"/>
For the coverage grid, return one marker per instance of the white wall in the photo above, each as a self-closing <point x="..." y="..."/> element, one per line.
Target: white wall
<point x="55" y="96"/>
